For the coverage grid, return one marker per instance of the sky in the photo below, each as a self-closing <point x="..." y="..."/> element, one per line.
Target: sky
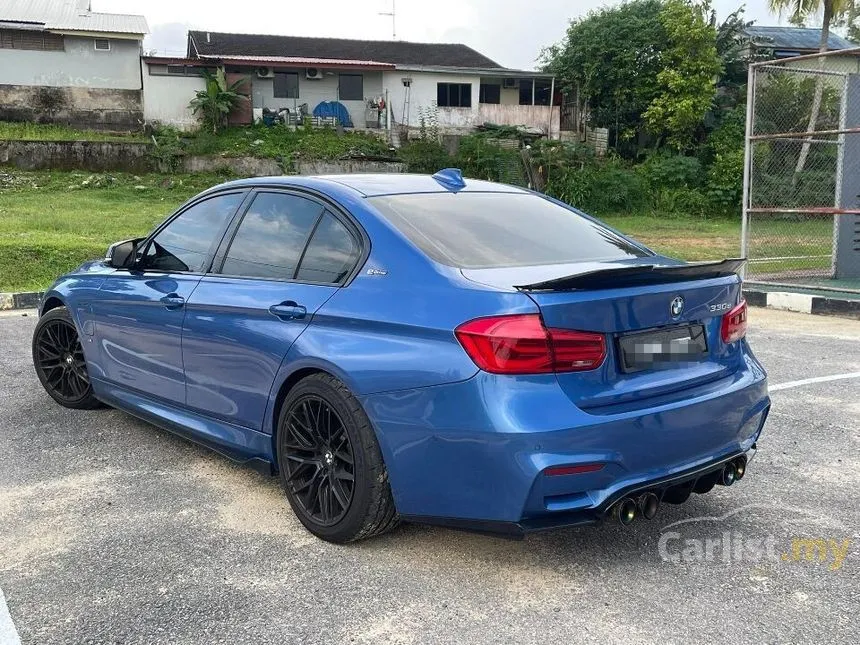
<point x="511" y="32"/>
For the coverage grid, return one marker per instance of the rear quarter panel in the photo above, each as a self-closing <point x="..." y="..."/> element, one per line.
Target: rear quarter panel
<point x="392" y="327"/>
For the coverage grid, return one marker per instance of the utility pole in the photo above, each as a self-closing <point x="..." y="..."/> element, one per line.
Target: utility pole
<point x="393" y="14"/>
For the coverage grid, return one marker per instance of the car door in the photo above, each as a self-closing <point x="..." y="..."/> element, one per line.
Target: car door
<point x="138" y="312"/>
<point x="287" y="256"/>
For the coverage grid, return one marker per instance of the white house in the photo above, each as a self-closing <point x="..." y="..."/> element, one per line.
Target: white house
<point x="368" y="84"/>
<point x="60" y="61"/>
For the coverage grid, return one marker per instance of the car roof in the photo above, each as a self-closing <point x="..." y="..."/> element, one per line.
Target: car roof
<point x="372" y="185"/>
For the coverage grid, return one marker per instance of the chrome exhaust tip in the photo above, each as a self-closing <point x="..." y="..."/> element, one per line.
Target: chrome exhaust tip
<point x="648" y="504"/>
<point x="729" y="475"/>
<point x="740" y="468"/>
<point x="626" y="511"/>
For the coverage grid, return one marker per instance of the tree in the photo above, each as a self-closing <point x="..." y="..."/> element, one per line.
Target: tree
<point x="611" y="59"/>
<point x="800" y="10"/>
<point x="217" y="100"/>
<point x="686" y="82"/>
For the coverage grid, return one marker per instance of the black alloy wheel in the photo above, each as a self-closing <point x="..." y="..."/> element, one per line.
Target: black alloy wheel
<point x="330" y="462"/>
<point x="59" y="361"/>
<point x="319" y="461"/>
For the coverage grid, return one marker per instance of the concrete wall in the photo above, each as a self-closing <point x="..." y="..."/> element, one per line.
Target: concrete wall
<point x="82" y="107"/>
<point x="423" y="97"/>
<point x="80" y="65"/>
<point x="96" y="156"/>
<point x="253" y="167"/>
<point x="166" y="98"/>
<point x="532" y="116"/>
<point x="80" y="86"/>
<point x="314" y="92"/>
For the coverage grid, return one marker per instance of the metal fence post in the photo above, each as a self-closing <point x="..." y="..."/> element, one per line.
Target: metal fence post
<point x="745" y="199"/>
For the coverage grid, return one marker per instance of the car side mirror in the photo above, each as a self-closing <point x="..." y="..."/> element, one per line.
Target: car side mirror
<point x="122" y="255"/>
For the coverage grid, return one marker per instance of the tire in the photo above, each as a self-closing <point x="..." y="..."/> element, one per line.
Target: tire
<point x="318" y="413"/>
<point x="58" y="358"/>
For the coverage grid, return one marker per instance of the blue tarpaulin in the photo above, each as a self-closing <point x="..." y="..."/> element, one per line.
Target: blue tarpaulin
<point x="334" y="109"/>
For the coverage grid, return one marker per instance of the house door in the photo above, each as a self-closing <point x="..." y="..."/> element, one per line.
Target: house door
<point x="243" y="113"/>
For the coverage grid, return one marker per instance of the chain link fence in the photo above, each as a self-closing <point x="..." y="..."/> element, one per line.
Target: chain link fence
<point x="801" y="215"/>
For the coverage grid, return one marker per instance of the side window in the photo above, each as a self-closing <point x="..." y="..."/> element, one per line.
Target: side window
<point x="271" y="237"/>
<point x="331" y="254"/>
<point x="184" y="243"/>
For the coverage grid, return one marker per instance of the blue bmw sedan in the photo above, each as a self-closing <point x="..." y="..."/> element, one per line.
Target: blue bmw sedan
<point x="428" y="349"/>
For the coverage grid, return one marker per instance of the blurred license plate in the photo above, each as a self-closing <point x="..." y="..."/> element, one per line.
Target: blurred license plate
<point x="662" y="348"/>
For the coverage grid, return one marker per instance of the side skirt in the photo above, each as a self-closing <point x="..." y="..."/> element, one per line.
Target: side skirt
<point x="237" y="443"/>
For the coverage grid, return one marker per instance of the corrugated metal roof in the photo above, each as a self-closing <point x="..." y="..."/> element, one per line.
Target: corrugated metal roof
<point x="798" y="38"/>
<point x="70" y="15"/>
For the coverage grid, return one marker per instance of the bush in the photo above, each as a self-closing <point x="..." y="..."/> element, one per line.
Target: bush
<point x="283" y="143"/>
<point x="602" y="188"/>
<point x="683" y="201"/>
<point x="667" y="171"/>
<point x="481" y="158"/>
<point x="425" y="156"/>
<point x="725" y="180"/>
<point x="167" y="149"/>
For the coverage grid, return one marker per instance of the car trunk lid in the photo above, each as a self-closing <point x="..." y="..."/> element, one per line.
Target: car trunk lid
<point x="662" y="324"/>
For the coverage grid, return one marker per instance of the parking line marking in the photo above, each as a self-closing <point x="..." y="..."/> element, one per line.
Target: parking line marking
<point x="816" y="379"/>
<point x="8" y="633"/>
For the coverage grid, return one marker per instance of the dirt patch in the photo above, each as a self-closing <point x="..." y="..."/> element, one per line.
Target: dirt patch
<point x="250" y="502"/>
<point x="40" y="521"/>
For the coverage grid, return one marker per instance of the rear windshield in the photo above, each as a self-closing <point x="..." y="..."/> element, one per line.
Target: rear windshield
<point x="485" y="230"/>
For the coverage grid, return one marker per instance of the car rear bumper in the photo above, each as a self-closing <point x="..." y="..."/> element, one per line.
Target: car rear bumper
<point x="681" y="484"/>
<point x="473" y="454"/>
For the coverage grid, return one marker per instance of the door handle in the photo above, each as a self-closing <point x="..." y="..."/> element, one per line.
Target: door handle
<point x="173" y="301"/>
<point x="288" y="310"/>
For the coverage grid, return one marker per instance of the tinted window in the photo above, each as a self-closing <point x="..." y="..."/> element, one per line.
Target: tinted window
<point x="271" y="237"/>
<point x="543" y="88"/>
<point x="491" y="93"/>
<point x="477" y="230"/>
<point x="351" y="87"/>
<point x="331" y="255"/>
<point x="526" y="88"/>
<point x="184" y="243"/>
<point x="454" y="94"/>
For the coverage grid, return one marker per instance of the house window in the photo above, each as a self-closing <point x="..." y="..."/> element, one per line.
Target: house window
<point x="526" y="87"/>
<point x="491" y="93"/>
<point x="351" y="87"/>
<point x="454" y="94"/>
<point x="286" y="85"/>
<point x="34" y="40"/>
<point x="102" y="44"/>
<point x="543" y="87"/>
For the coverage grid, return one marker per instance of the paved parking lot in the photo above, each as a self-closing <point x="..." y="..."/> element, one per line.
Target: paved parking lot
<point x="113" y="531"/>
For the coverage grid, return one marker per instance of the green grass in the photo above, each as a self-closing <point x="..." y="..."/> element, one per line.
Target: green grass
<point x="51" y="132"/>
<point x="689" y="238"/>
<point x="284" y="142"/>
<point x="52" y="221"/>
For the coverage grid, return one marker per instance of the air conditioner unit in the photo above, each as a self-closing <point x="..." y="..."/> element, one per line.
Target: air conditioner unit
<point x="509" y="83"/>
<point x="313" y="73"/>
<point x="265" y="72"/>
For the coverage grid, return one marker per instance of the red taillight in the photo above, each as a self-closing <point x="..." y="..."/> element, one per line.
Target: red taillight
<point x="520" y="344"/>
<point x="572" y="470"/>
<point x="734" y="326"/>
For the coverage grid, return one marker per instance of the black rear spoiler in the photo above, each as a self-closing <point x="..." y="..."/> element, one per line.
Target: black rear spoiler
<point x="642" y="274"/>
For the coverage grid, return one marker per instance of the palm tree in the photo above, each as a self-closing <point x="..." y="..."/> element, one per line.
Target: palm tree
<point x="800" y="9"/>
